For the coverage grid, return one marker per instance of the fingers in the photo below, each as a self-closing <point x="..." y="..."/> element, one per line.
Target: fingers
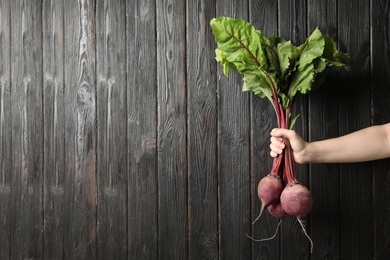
<point x="277" y="140"/>
<point x="273" y="154"/>
<point x="276" y="146"/>
<point x="297" y="144"/>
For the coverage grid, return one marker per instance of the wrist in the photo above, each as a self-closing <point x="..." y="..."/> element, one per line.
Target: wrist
<point x="306" y="155"/>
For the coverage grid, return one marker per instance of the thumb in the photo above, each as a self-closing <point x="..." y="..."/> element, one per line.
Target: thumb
<point x="282" y="132"/>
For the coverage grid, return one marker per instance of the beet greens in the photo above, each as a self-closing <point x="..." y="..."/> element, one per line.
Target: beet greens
<point x="274" y="68"/>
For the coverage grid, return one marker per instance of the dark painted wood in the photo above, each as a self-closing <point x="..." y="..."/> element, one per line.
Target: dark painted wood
<point x="80" y="130"/>
<point x="142" y="129"/>
<point x="111" y="129"/>
<point x="234" y="172"/>
<point x="172" y="130"/>
<point x="5" y="130"/>
<point x="54" y="128"/>
<point x="380" y="44"/>
<point x="354" y="113"/>
<point x="27" y="140"/>
<point x="122" y="139"/>
<point x="142" y="99"/>
<point x="202" y="132"/>
<point x="323" y="114"/>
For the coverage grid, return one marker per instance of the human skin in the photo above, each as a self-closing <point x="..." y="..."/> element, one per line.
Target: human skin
<point x="371" y="143"/>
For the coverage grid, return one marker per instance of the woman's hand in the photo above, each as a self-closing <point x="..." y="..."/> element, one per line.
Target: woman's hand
<point x="371" y="143"/>
<point x="298" y="145"/>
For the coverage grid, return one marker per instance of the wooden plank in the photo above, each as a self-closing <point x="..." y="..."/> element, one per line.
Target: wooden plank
<point x="380" y="52"/>
<point x="293" y="26"/>
<point x="202" y="132"/>
<point x="5" y="130"/>
<point x="108" y="158"/>
<point x="54" y="128"/>
<point x="142" y="129"/>
<point x="323" y="121"/>
<point x="111" y="115"/>
<point x="355" y="113"/>
<point x="80" y="125"/>
<point x="27" y="140"/>
<point x="233" y="154"/>
<point x="172" y="131"/>
<point x="293" y="21"/>
<point x="264" y="16"/>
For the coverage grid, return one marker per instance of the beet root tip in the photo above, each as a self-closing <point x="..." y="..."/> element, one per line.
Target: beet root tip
<point x="302" y="223"/>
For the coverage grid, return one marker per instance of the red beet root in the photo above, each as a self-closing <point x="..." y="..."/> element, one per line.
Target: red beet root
<point x="296" y="200"/>
<point x="269" y="190"/>
<point x="277" y="210"/>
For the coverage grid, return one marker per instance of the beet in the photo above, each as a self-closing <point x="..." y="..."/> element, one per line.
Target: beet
<point x="277" y="210"/>
<point x="296" y="199"/>
<point x="269" y="189"/>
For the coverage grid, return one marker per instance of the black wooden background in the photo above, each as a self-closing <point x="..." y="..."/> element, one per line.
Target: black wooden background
<point x="122" y="139"/>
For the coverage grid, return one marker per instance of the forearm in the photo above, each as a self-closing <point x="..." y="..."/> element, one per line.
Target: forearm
<point x="368" y="144"/>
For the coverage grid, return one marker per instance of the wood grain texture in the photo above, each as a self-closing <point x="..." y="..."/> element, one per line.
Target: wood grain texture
<point x="293" y="20"/>
<point x="120" y="137"/>
<point x="202" y="132"/>
<point x="142" y="129"/>
<point x="380" y="51"/>
<point x="355" y="179"/>
<point x="112" y="126"/>
<point x="54" y="128"/>
<point x="325" y="178"/>
<point x="5" y="130"/>
<point x="80" y="126"/>
<point x="264" y="16"/>
<point x="234" y="173"/>
<point x="172" y="130"/>
<point x="27" y="140"/>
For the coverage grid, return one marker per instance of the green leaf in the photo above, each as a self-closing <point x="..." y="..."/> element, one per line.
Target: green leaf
<point x="258" y="83"/>
<point x="272" y="56"/>
<point x="303" y="79"/>
<point x="343" y="57"/>
<point x="338" y="65"/>
<point x="239" y="44"/>
<point x="314" y="48"/>
<point x="273" y="67"/>
<point x="337" y="59"/>
<point x="330" y="48"/>
<point x="319" y="79"/>
<point x="287" y="56"/>
<point x="309" y="63"/>
<point x="292" y="122"/>
<point x="275" y="40"/>
<point x="284" y="100"/>
<point x="243" y="48"/>
<point x="320" y="65"/>
<point x="221" y="59"/>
